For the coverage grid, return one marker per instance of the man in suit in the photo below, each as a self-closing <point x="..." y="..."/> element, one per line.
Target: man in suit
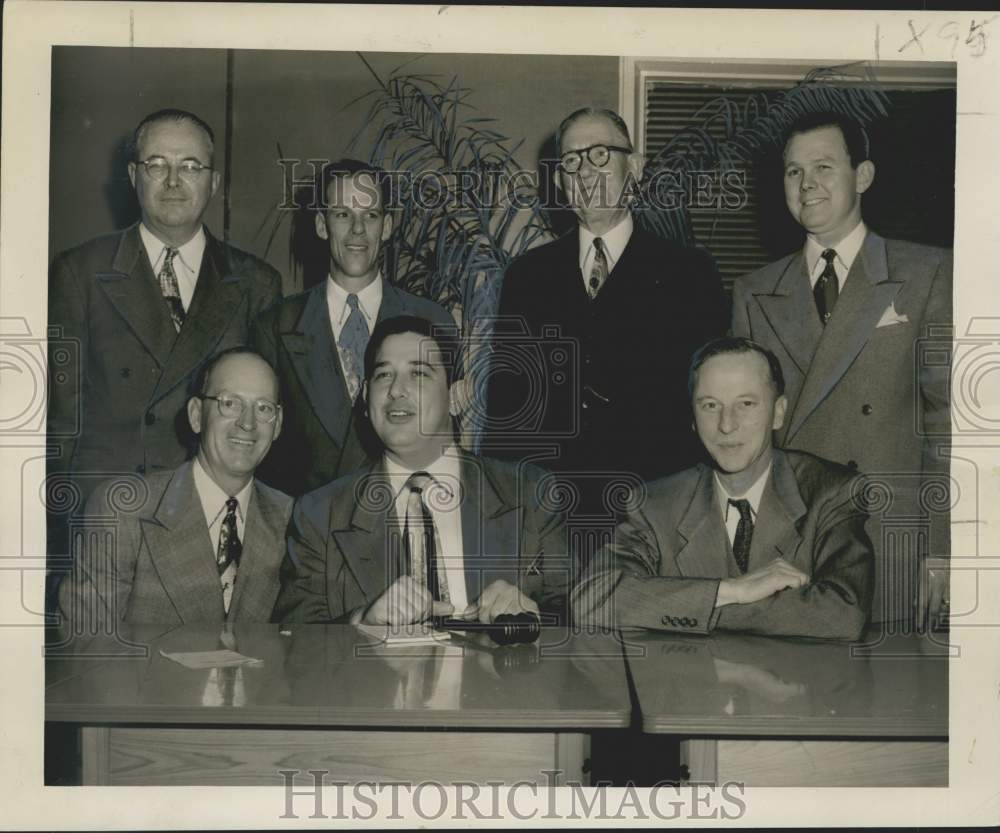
<point x="632" y="306"/>
<point x="200" y="543"/>
<point x="427" y="529"/>
<point x="844" y="316"/>
<point x="316" y="340"/>
<point x="143" y="309"/>
<point x="764" y="540"/>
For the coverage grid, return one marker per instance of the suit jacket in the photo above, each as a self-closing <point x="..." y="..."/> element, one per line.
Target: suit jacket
<point x="321" y="438"/>
<point x="151" y="559"/>
<point x="344" y="549"/>
<point x="117" y="403"/>
<point x="668" y="556"/>
<point x="860" y="391"/>
<point x="604" y="380"/>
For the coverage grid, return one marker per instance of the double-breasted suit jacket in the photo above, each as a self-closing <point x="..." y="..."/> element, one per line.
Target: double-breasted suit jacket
<point x="344" y="546"/>
<point x="160" y="565"/>
<point x="663" y="569"/>
<point x="321" y="438"/>
<point x="861" y="391"/>
<point x="117" y="404"/>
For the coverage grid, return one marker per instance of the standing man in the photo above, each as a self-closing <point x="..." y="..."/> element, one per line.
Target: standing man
<point x="844" y="316"/>
<point x="316" y="340"/>
<point x="427" y="529"/>
<point x="633" y="308"/>
<point x="206" y="543"/>
<point x="145" y="308"/>
<point x="763" y="540"/>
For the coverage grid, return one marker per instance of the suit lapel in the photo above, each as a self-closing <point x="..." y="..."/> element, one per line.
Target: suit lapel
<point x="790" y="310"/>
<point x="181" y="551"/>
<point x="263" y="549"/>
<point x="489" y="528"/>
<point x="706" y="550"/>
<point x="867" y="292"/>
<point x="218" y="297"/>
<point x="132" y="289"/>
<point x="392" y="302"/>
<point x="775" y="533"/>
<point x="361" y="530"/>
<point x="314" y="357"/>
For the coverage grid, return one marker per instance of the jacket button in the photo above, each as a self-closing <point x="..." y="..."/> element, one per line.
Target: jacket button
<point x="140" y="469"/>
<point x="866" y="409"/>
<point x="126" y="372"/>
<point x="852" y="464"/>
<point x="150" y="418"/>
<point x="585" y="405"/>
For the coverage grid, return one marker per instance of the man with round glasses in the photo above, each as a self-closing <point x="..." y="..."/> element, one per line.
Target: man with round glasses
<point x="139" y="311"/>
<point x="202" y="542"/>
<point x="590" y="357"/>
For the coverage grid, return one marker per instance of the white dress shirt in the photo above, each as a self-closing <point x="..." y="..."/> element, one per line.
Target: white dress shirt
<point x="615" y="240"/>
<point x="369" y="301"/>
<point x="847" y="250"/>
<point x="187" y="263"/>
<point x="444" y="504"/>
<point x="731" y="514"/>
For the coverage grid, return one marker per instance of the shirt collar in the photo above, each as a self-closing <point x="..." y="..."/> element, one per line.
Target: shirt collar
<point x="213" y="499"/>
<point x="847" y="249"/>
<point x="190" y="253"/>
<point x="753" y="494"/>
<point x="615" y="240"/>
<point x="369" y="299"/>
<point x="444" y="470"/>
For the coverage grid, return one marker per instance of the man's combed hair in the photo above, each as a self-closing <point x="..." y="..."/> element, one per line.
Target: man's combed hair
<point x="601" y="112"/>
<point x="349" y="168"/>
<point x="168" y="114"/>
<point x="445" y="336"/>
<point x="855" y="136"/>
<point x="735" y="344"/>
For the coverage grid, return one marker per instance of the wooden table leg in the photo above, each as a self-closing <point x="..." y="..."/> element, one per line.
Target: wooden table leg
<point x="700" y="761"/>
<point x="95" y="747"/>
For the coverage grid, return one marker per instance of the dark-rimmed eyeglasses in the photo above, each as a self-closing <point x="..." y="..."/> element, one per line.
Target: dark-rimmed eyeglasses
<point x="157" y="168"/>
<point x="598" y="155"/>
<point x="232" y="406"/>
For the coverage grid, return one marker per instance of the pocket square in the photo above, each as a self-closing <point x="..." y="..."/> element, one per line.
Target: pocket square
<point x="890" y="317"/>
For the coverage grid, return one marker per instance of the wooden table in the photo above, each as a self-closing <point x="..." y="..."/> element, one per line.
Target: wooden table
<point x="780" y="712"/>
<point x="329" y="698"/>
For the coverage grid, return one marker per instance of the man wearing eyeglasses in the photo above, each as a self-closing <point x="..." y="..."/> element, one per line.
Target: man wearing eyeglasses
<point x="142" y="309"/>
<point x="633" y="308"/>
<point x="203" y="542"/>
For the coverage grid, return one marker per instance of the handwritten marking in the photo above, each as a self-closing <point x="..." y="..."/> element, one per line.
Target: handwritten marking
<point x="915" y="39"/>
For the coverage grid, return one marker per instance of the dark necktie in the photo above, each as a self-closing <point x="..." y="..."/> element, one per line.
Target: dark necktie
<point x="229" y="552"/>
<point x="170" y="290"/>
<point x="744" y="534"/>
<point x="599" y="271"/>
<point x="420" y="539"/>
<point x="353" y="340"/>
<point x="826" y="290"/>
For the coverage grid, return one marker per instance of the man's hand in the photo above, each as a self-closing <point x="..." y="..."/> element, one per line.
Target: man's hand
<point x="499" y="598"/>
<point x="775" y="577"/>
<point x="404" y="602"/>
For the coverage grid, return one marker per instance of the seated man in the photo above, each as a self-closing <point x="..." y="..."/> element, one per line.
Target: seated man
<point x="427" y="530"/>
<point x="177" y="551"/>
<point x="765" y="541"/>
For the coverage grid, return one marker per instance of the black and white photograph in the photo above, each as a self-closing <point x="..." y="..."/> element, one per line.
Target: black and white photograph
<point x="448" y="415"/>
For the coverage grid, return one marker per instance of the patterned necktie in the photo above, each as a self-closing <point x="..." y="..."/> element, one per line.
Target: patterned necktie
<point x="421" y="539"/>
<point x="599" y="271"/>
<point x="229" y="552"/>
<point x="170" y="290"/>
<point x="353" y="340"/>
<point x="826" y="290"/>
<point x="744" y="534"/>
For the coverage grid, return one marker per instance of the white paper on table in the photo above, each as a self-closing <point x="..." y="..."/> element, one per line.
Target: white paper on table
<point x="419" y="633"/>
<point x="222" y="658"/>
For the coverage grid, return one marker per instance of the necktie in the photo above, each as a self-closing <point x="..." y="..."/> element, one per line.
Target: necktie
<point x="826" y="290"/>
<point x="599" y="271"/>
<point x="229" y="552"/>
<point x="170" y="290"/>
<point x="353" y="340"/>
<point x="420" y="539"/>
<point x="744" y="534"/>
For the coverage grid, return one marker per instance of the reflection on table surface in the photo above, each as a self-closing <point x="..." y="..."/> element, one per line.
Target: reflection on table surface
<point x="745" y="685"/>
<point x="335" y="675"/>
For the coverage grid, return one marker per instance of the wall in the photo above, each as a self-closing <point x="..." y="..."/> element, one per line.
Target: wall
<point x="300" y="100"/>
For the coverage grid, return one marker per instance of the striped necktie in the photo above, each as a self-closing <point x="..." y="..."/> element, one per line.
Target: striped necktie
<point x="169" y="288"/>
